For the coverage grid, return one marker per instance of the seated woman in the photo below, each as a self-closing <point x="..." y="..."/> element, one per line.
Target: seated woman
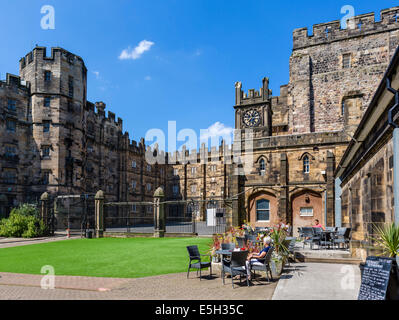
<point x="318" y="224"/>
<point x="254" y="258"/>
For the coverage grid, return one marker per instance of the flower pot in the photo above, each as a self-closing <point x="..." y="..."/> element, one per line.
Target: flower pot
<point x="277" y="267"/>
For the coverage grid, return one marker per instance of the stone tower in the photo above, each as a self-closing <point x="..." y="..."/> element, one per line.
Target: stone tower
<point x="58" y="98"/>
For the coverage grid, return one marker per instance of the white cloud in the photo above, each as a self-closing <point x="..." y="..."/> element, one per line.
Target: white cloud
<point x="136" y="53"/>
<point x="147" y="78"/>
<point x="215" y="132"/>
<point x="97" y="74"/>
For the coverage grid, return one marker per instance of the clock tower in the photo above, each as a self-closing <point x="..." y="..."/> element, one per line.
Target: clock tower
<point x="253" y="110"/>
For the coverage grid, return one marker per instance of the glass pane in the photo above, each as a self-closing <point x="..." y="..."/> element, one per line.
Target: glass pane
<point x="263" y="205"/>
<point x="263" y="215"/>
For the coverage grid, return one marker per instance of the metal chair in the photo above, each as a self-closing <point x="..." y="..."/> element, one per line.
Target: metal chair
<point x="342" y="236"/>
<point x="236" y="266"/>
<point x="291" y="249"/>
<point x="310" y="237"/>
<point x="265" y="265"/>
<point x="195" y="255"/>
<point x="300" y="232"/>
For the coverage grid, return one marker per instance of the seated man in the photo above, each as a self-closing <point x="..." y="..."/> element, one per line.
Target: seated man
<point x="254" y="258"/>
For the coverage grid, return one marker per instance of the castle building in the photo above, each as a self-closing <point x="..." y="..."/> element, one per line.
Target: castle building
<point x="53" y="139"/>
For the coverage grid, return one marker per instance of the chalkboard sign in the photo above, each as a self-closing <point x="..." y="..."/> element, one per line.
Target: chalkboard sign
<point x="375" y="279"/>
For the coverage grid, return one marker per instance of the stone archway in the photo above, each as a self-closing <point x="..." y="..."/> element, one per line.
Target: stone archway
<point x="262" y="209"/>
<point x="306" y="206"/>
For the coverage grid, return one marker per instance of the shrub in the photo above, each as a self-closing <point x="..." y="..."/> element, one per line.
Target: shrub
<point x="23" y="222"/>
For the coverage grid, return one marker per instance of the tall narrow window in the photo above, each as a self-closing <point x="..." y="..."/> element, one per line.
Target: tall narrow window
<point x="11" y="125"/>
<point x="47" y="75"/>
<point x="262" y="167"/>
<point x="263" y="210"/>
<point x="12" y="105"/>
<point x="46" y="126"/>
<point x="47" y="101"/>
<point x="306" y="164"/>
<point x="46" y="177"/>
<point x="70" y="87"/>
<point x="346" y="61"/>
<point x="343" y="107"/>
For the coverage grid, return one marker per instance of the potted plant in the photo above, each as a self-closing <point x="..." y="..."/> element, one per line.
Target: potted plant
<point x="388" y="241"/>
<point x="280" y="254"/>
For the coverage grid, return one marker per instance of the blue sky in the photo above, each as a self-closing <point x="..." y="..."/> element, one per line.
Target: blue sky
<point x="196" y="51"/>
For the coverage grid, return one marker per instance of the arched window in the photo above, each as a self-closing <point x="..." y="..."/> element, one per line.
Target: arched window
<point x="262" y="167"/>
<point x="306" y="164"/>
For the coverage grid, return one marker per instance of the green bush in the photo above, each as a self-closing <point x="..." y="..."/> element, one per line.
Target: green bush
<point x="23" y="222"/>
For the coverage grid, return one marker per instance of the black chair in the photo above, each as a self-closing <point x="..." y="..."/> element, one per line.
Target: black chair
<point x="310" y="237"/>
<point x="342" y="237"/>
<point x="265" y="265"/>
<point x="300" y="232"/>
<point x="195" y="255"/>
<point x="236" y="266"/>
<point x="241" y="242"/>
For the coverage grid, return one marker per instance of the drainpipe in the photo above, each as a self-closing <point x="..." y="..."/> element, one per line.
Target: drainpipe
<point x="395" y="150"/>
<point x="325" y="208"/>
<point x="338" y="209"/>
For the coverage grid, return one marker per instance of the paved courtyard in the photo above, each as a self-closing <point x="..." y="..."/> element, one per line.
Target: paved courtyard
<point x="166" y="287"/>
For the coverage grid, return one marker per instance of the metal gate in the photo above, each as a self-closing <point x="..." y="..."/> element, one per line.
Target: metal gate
<point x="129" y="217"/>
<point x="74" y="212"/>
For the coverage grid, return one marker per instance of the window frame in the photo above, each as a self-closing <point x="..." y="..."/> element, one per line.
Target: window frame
<point x="12" y="128"/>
<point x="306" y="164"/>
<point x="268" y="211"/>
<point x="349" y="61"/>
<point x="307" y="209"/>
<point x="13" y="104"/>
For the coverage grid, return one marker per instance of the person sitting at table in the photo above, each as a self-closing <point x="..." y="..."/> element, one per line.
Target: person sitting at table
<point x="254" y="258"/>
<point x="318" y="224"/>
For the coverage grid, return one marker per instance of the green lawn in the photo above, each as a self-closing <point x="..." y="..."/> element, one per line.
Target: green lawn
<point x="112" y="258"/>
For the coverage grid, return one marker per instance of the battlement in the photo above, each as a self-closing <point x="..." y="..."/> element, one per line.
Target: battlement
<point x="359" y="25"/>
<point x="41" y="53"/>
<point x="253" y="96"/>
<point x="15" y="81"/>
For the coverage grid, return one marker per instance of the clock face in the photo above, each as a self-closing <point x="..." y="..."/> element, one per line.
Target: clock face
<point x="252" y="118"/>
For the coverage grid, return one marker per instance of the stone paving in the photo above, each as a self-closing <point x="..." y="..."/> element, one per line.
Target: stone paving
<point x="165" y="287"/>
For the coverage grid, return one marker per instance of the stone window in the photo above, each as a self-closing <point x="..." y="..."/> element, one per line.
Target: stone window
<point x="213" y="168"/>
<point x="306" y="212"/>
<point x="46" y="151"/>
<point x="11" y="125"/>
<point x="262" y="167"/>
<point x="47" y="101"/>
<point x="70" y="87"/>
<point x="12" y="105"/>
<point x="134" y="208"/>
<point x="46" y="126"/>
<point x="134" y="164"/>
<point x="193" y="171"/>
<point x="263" y="210"/>
<point x="175" y="189"/>
<point x="46" y="177"/>
<point x="70" y="106"/>
<point x="161" y="171"/>
<point x="11" y="151"/>
<point x="306" y="165"/>
<point x="175" y="172"/>
<point x="10" y="176"/>
<point x="149" y="209"/>
<point x="194" y="188"/>
<point x="134" y="185"/>
<point x="149" y="187"/>
<point x="148" y="168"/>
<point x="346" y="61"/>
<point x="47" y="75"/>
